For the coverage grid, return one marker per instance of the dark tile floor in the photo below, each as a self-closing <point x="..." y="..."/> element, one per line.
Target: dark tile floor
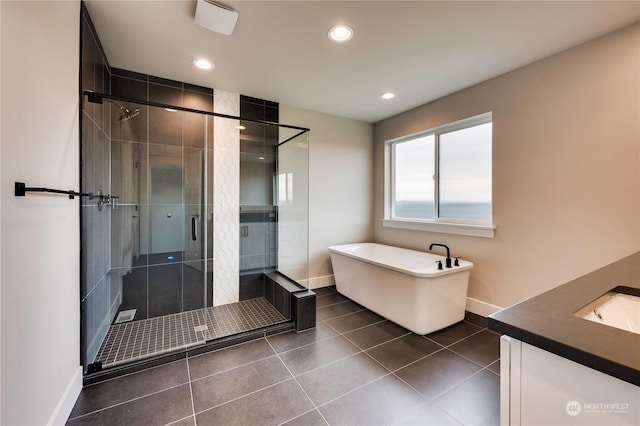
<point x="354" y="368"/>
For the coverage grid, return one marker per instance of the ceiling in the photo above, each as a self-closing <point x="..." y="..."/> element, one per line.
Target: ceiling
<point x="419" y="50"/>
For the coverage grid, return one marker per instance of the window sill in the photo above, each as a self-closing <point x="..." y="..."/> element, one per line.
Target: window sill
<point x="484" y="231"/>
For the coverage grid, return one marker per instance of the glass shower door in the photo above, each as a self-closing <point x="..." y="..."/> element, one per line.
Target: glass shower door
<point x="159" y="233"/>
<point x="196" y="283"/>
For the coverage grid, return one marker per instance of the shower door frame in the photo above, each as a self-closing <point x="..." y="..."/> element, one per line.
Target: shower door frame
<point x="96" y="97"/>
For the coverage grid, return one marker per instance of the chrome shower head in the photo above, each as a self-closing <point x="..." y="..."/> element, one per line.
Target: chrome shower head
<point x="125" y="113"/>
<point x="128" y="114"/>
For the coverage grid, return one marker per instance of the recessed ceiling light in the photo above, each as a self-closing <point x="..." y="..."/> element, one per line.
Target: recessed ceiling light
<point x="260" y="158"/>
<point x="240" y="127"/>
<point x="388" y="95"/>
<point x="340" y="33"/>
<point x="203" y="64"/>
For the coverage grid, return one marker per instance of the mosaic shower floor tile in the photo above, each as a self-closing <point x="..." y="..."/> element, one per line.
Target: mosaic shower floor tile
<point x="135" y="340"/>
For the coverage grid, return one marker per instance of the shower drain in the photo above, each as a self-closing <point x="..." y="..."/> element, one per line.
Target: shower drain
<point x="125" y="316"/>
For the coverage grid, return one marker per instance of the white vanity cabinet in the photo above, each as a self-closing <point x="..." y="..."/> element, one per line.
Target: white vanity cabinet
<point x="540" y="388"/>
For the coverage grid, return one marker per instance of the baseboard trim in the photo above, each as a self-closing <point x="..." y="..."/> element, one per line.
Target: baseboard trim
<point x="321" y="281"/>
<point x="481" y="308"/>
<point x="68" y="400"/>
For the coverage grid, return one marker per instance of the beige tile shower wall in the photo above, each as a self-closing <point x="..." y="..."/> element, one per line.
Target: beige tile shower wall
<point x="226" y="199"/>
<point x="340" y="185"/>
<point x="566" y="161"/>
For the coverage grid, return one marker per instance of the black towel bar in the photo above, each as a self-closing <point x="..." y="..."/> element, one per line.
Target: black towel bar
<point x="21" y="189"/>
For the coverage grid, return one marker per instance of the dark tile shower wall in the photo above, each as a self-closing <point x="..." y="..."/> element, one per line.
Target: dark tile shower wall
<point x="100" y="295"/>
<point x="258" y="216"/>
<point x="157" y="169"/>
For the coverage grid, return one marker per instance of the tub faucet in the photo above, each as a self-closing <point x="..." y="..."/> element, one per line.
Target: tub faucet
<point x="448" y="259"/>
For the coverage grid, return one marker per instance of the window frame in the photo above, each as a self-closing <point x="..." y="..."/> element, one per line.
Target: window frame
<point x="477" y="228"/>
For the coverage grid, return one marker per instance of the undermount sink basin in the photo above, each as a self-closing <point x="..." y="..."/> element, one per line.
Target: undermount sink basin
<point x="614" y="309"/>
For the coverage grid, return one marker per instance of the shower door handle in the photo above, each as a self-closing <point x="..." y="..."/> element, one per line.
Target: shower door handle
<point x="194" y="229"/>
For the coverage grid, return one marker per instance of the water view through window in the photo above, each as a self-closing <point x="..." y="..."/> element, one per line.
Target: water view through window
<point x="414" y="183"/>
<point x="465" y="173"/>
<point x="459" y="210"/>
<point x="461" y="173"/>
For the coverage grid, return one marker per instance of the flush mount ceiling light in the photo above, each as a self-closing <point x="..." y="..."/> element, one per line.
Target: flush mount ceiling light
<point x="216" y="17"/>
<point x="388" y="95"/>
<point x="203" y="64"/>
<point x="340" y="34"/>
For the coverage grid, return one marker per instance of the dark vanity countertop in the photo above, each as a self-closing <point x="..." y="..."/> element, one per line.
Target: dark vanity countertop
<point x="547" y="321"/>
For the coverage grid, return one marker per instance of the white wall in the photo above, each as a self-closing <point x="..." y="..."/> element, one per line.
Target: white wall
<point x="340" y="185"/>
<point x="40" y="313"/>
<point x="566" y="161"/>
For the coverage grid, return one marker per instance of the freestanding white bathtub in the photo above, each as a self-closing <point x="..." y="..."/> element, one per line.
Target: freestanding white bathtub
<point x="402" y="285"/>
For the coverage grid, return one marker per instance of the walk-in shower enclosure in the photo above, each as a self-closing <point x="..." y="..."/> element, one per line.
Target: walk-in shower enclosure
<point x="202" y="203"/>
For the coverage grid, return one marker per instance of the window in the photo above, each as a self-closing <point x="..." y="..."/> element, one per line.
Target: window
<point x="440" y="180"/>
<point x="284" y="188"/>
